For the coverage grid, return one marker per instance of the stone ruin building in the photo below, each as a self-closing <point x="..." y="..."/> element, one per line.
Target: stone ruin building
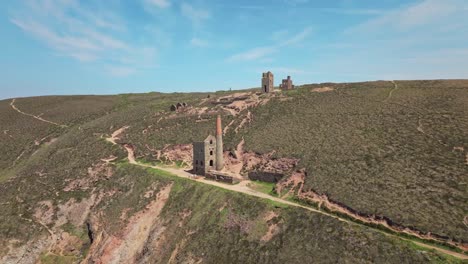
<point x="208" y="154"/>
<point x="286" y="84"/>
<point x="267" y="82"/>
<point x="178" y="106"/>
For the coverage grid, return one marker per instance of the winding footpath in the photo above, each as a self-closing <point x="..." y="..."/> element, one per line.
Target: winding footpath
<point x="242" y="187"/>
<point x="391" y="92"/>
<point x="12" y="104"/>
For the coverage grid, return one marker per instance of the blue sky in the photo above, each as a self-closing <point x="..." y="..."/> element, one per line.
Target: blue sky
<point x="120" y="46"/>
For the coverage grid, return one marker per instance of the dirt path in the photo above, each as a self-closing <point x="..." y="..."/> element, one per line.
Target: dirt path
<point x="115" y="135"/>
<point x="391" y="91"/>
<point x="242" y="187"/>
<point x="12" y="104"/>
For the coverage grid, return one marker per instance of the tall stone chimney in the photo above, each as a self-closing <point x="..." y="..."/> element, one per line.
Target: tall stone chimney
<point x="219" y="145"/>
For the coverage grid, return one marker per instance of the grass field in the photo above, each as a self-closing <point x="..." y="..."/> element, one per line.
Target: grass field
<point x="394" y="152"/>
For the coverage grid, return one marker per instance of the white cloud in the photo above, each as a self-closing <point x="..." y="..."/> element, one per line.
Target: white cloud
<point x="262" y="52"/>
<point x="159" y="3"/>
<point x="197" y="42"/>
<point x="79" y="48"/>
<point x="425" y="13"/>
<point x="298" y="38"/>
<point x="84" y="34"/>
<point x="194" y="14"/>
<point x="253" y="54"/>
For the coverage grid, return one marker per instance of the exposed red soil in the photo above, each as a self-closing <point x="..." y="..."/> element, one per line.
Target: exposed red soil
<point x="295" y="184"/>
<point x="116" y="135"/>
<point x="240" y="161"/>
<point x="124" y="246"/>
<point x="238" y="102"/>
<point x="322" y="89"/>
<point x="95" y="173"/>
<point x="273" y="228"/>
<point x="245" y="120"/>
<point x="173" y="153"/>
<point x="44" y="212"/>
<point x="226" y="128"/>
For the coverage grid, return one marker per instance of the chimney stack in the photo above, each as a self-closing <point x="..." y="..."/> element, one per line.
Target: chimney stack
<point x="219" y="145"/>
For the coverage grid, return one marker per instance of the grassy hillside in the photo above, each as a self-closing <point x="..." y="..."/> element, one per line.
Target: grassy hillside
<point x="365" y="149"/>
<point x="398" y="153"/>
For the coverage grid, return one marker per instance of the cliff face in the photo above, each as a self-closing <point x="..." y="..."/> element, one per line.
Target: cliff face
<point x="180" y="221"/>
<point x="68" y="195"/>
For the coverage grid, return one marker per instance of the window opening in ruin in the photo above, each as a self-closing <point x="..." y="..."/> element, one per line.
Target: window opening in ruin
<point x="211" y="162"/>
<point x="211" y="153"/>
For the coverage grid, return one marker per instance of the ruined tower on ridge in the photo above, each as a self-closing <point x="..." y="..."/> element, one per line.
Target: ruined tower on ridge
<point x="208" y="154"/>
<point x="267" y="82"/>
<point x="219" y="145"/>
<point x="286" y="84"/>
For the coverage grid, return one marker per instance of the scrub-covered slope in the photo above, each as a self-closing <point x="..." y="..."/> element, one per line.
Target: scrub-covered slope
<point x="67" y="194"/>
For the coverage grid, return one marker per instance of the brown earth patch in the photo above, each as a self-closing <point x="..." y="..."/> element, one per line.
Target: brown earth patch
<point x="67" y="245"/>
<point x="238" y="102"/>
<point x="273" y="228"/>
<point x="173" y="153"/>
<point x="239" y="161"/>
<point x="459" y="148"/>
<point x="44" y="212"/>
<point x="125" y="246"/>
<point x="75" y="212"/>
<point x="101" y="170"/>
<point x="322" y="89"/>
<point x="245" y="120"/>
<point x="116" y="135"/>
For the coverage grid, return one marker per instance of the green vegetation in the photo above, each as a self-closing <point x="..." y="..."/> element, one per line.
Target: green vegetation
<point x="264" y="187"/>
<point x="226" y="227"/>
<point x="400" y="156"/>
<point x="55" y="259"/>
<point x="366" y="152"/>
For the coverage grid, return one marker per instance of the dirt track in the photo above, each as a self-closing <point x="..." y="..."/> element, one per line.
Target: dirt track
<point x="391" y="92"/>
<point x="33" y="116"/>
<point x="242" y="187"/>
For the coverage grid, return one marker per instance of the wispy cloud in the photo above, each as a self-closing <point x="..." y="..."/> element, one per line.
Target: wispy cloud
<point x="196" y="15"/>
<point x="79" y="48"/>
<point x="298" y="38"/>
<point x="159" y="3"/>
<point x="427" y="12"/>
<point x="260" y="52"/>
<point x="73" y="31"/>
<point x="253" y="54"/>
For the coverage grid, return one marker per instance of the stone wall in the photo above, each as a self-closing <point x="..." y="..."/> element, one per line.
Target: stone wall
<point x="220" y="178"/>
<point x="265" y="176"/>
